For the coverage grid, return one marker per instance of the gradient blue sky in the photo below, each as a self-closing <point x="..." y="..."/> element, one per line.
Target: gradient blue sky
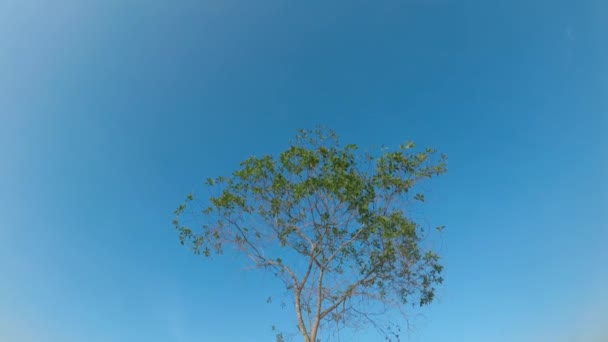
<point x="111" y="111"/>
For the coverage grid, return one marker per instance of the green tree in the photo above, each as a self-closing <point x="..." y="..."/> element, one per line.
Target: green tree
<point x="331" y="222"/>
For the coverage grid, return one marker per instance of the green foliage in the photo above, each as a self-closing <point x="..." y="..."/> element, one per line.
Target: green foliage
<point x="343" y="210"/>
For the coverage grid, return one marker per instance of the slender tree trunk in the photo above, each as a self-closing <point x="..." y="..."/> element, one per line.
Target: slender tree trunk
<point x="313" y="334"/>
<point x="314" y="329"/>
<point x="301" y="326"/>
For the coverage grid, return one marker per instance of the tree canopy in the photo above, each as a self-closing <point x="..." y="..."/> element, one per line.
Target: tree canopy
<point x="330" y="221"/>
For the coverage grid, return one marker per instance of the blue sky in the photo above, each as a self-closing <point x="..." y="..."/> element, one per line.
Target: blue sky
<point x="112" y="111"/>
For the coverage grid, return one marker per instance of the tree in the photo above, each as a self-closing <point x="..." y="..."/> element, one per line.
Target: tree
<point x="331" y="222"/>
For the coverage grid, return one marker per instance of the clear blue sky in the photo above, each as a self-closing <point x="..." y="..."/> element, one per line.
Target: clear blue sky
<point x="112" y="110"/>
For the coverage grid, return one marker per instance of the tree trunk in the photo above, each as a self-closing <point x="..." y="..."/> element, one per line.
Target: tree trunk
<point x="301" y="325"/>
